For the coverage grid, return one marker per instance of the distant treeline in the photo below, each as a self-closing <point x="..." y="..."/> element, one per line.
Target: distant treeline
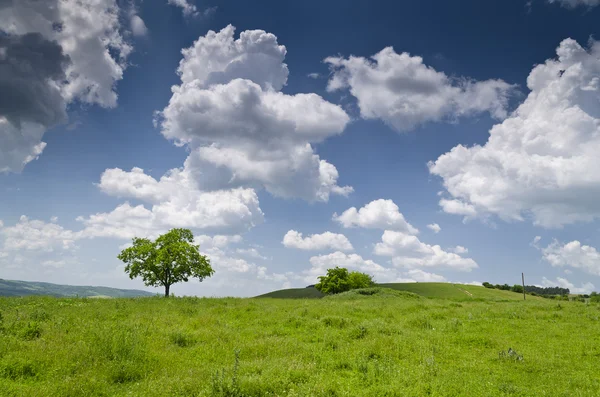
<point x="530" y="289"/>
<point x="545" y="292"/>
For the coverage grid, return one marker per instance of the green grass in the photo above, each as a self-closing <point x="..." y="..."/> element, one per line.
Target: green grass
<point x="375" y="342"/>
<point x="294" y="293"/>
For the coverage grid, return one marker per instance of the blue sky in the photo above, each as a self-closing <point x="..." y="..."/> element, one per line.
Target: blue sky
<point x="284" y="114"/>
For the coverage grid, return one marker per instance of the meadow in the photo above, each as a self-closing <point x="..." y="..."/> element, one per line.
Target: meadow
<point x="378" y="342"/>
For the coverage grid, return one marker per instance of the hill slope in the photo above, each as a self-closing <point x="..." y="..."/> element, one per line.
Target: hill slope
<point x="428" y="290"/>
<point x="25" y="288"/>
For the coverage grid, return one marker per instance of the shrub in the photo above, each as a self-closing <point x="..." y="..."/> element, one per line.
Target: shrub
<point x="487" y="285"/>
<point x="339" y="280"/>
<point x="517" y="288"/>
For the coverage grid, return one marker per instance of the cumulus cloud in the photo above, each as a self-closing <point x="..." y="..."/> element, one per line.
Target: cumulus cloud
<point x="459" y="249"/>
<point x="317" y="242"/>
<point x="573" y="254"/>
<point x="37" y="235"/>
<point x="541" y="161"/>
<point x="378" y="214"/>
<point x="138" y="27"/>
<point x="408" y="251"/>
<point x="585" y="288"/>
<point x="404" y="93"/>
<point x="241" y="129"/>
<point x="434" y="227"/>
<point x="31" y="71"/>
<point x="176" y="201"/>
<point x="53" y="53"/>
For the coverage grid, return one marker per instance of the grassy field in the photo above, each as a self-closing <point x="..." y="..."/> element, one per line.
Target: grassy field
<point x="392" y="343"/>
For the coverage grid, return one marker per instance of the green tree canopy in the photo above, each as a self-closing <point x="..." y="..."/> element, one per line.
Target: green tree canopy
<point x="339" y="279"/>
<point x="170" y="259"/>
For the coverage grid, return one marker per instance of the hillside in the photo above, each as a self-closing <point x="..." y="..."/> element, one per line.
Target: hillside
<point x="25" y="288"/>
<point x="428" y="290"/>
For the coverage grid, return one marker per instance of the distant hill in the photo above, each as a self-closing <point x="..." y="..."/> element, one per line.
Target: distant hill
<point x="428" y="290"/>
<point x="24" y="288"/>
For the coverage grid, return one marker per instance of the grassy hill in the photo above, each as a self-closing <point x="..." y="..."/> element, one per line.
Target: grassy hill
<point x="388" y="343"/>
<point x="25" y="288"/>
<point x="428" y="290"/>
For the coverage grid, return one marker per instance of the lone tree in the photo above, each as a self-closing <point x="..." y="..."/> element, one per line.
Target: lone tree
<point x="170" y="259"/>
<point x="339" y="279"/>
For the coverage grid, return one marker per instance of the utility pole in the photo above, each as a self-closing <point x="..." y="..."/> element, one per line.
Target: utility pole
<point x="523" y="280"/>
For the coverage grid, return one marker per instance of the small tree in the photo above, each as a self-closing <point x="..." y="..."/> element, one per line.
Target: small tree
<point x="339" y="280"/>
<point x="168" y="260"/>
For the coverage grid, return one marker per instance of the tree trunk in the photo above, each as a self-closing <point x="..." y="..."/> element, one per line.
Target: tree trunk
<point x="167" y="290"/>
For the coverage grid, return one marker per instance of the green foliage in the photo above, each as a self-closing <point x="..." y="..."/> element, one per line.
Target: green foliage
<point x="339" y="280"/>
<point x="517" y="288"/>
<point x="360" y="280"/>
<point x="487" y="285"/>
<point x="170" y="259"/>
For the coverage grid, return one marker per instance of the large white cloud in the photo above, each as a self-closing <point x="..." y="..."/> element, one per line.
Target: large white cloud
<point x="573" y="254"/>
<point x="52" y="53"/>
<point x="540" y="162"/>
<point x="242" y="131"/>
<point x="407" y="251"/>
<point x="378" y="214"/>
<point x="405" y="93"/>
<point x="317" y="242"/>
<point x="176" y="202"/>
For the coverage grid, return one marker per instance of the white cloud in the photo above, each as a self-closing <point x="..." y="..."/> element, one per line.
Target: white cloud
<point x="37" y="235"/>
<point x="242" y="131"/>
<point x="317" y="242"/>
<point x="576" y="3"/>
<point x="424" y="277"/>
<point x="459" y="249"/>
<point x="250" y="253"/>
<point x="585" y="288"/>
<point x="217" y="58"/>
<point x="408" y="251"/>
<point x="541" y="161"/>
<point x="176" y="202"/>
<point x="434" y="227"/>
<point x="188" y="9"/>
<point x="321" y="263"/>
<point x="138" y="27"/>
<point x="354" y="262"/>
<point x="378" y="214"/>
<point x="573" y="254"/>
<point x="88" y="36"/>
<point x="405" y="93"/>
<point x="314" y="75"/>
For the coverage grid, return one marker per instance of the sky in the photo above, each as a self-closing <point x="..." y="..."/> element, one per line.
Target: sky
<point x="451" y="141"/>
